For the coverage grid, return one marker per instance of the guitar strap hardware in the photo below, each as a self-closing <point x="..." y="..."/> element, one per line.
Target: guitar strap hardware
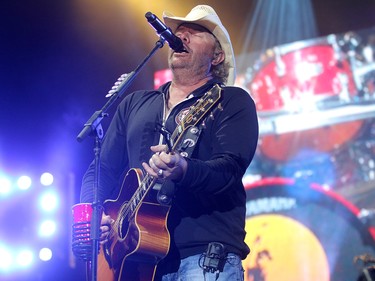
<point x="188" y="142"/>
<point x="186" y="147"/>
<point x="167" y="136"/>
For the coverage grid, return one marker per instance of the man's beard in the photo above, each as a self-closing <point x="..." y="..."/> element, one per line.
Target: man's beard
<point x="189" y="68"/>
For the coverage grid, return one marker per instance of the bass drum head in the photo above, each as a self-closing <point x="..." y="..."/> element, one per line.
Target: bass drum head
<point x="301" y="232"/>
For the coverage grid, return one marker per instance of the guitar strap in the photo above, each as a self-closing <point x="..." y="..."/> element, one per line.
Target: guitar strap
<point x="185" y="148"/>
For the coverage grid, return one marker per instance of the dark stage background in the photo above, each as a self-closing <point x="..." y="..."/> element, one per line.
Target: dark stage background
<point x="58" y="59"/>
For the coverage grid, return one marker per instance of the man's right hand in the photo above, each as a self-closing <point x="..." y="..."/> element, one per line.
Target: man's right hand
<point x="105" y="228"/>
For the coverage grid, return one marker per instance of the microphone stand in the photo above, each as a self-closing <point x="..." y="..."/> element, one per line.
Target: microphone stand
<point x="93" y="127"/>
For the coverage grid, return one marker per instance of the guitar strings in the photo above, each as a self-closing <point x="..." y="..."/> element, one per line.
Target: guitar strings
<point x="126" y="210"/>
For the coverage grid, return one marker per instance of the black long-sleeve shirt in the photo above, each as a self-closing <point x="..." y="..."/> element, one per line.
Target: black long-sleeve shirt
<point x="210" y="201"/>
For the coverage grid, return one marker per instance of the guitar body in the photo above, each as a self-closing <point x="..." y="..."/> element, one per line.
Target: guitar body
<point x="138" y="242"/>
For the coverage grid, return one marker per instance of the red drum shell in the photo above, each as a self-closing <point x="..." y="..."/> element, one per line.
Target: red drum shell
<point x="300" y="76"/>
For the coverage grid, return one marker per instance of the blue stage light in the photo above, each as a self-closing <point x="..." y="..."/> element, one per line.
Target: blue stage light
<point x="6" y="259"/>
<point x="45" y="254"/>
<point x="46" y="179"/>
<point x="5" y="185"/>
<point x="24" y="182"/>
<point x="47" y="228"/>
<point x="48" y="201"/>
<point x="24" y="258"/>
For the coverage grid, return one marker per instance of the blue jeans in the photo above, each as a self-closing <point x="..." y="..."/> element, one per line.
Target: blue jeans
<point x="191" y="271"/>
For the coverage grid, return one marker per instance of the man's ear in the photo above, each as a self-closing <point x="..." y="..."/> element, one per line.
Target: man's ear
<point x="219" y="57"/>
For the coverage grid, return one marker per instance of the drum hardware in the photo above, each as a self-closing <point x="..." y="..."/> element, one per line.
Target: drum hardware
<point x="352" y="40"/>
<point x="344" y="93"/>
<point x="350" y="44"/>
<point x="364" y="69"/>
<point x="367" y="267"/>
<point x="368" y="274"/>
<point x="368" y="53"/>
<point x="361" y="60"/>
<point x="280" y="65"/>
<point x="338" y="54"/>
<point x="281" y="124"/>
<point x="367" y="216"/>
<point x="356" y="77"/>
<point x="364" y="155"/>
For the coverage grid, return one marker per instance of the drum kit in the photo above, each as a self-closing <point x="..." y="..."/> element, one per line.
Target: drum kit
<point x="316" y="102"/>
<point x="316" y="109"/>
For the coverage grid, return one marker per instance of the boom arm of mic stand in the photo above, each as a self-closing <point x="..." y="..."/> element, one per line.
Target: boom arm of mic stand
<point x="93" y="127"/>
<point x="90" y="126"/>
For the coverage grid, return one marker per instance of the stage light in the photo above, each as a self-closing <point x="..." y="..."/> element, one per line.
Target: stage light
<point x="45" y="254"/>
<point x="6" y="259"/>
<point x="161" y="77"/>
<point x="24" y="182"/>
<point x="47" y="228"/>
<point x="48" y="201"/>
<point x="24" y="258"/>
<point x="46" y="179"/>
<point x="5" y="185"/>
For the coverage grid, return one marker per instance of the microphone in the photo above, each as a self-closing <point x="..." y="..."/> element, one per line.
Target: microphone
<point x="165" y="32"/>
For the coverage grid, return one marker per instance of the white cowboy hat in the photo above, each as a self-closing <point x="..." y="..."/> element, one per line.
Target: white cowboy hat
<point x="206" y="16"/>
